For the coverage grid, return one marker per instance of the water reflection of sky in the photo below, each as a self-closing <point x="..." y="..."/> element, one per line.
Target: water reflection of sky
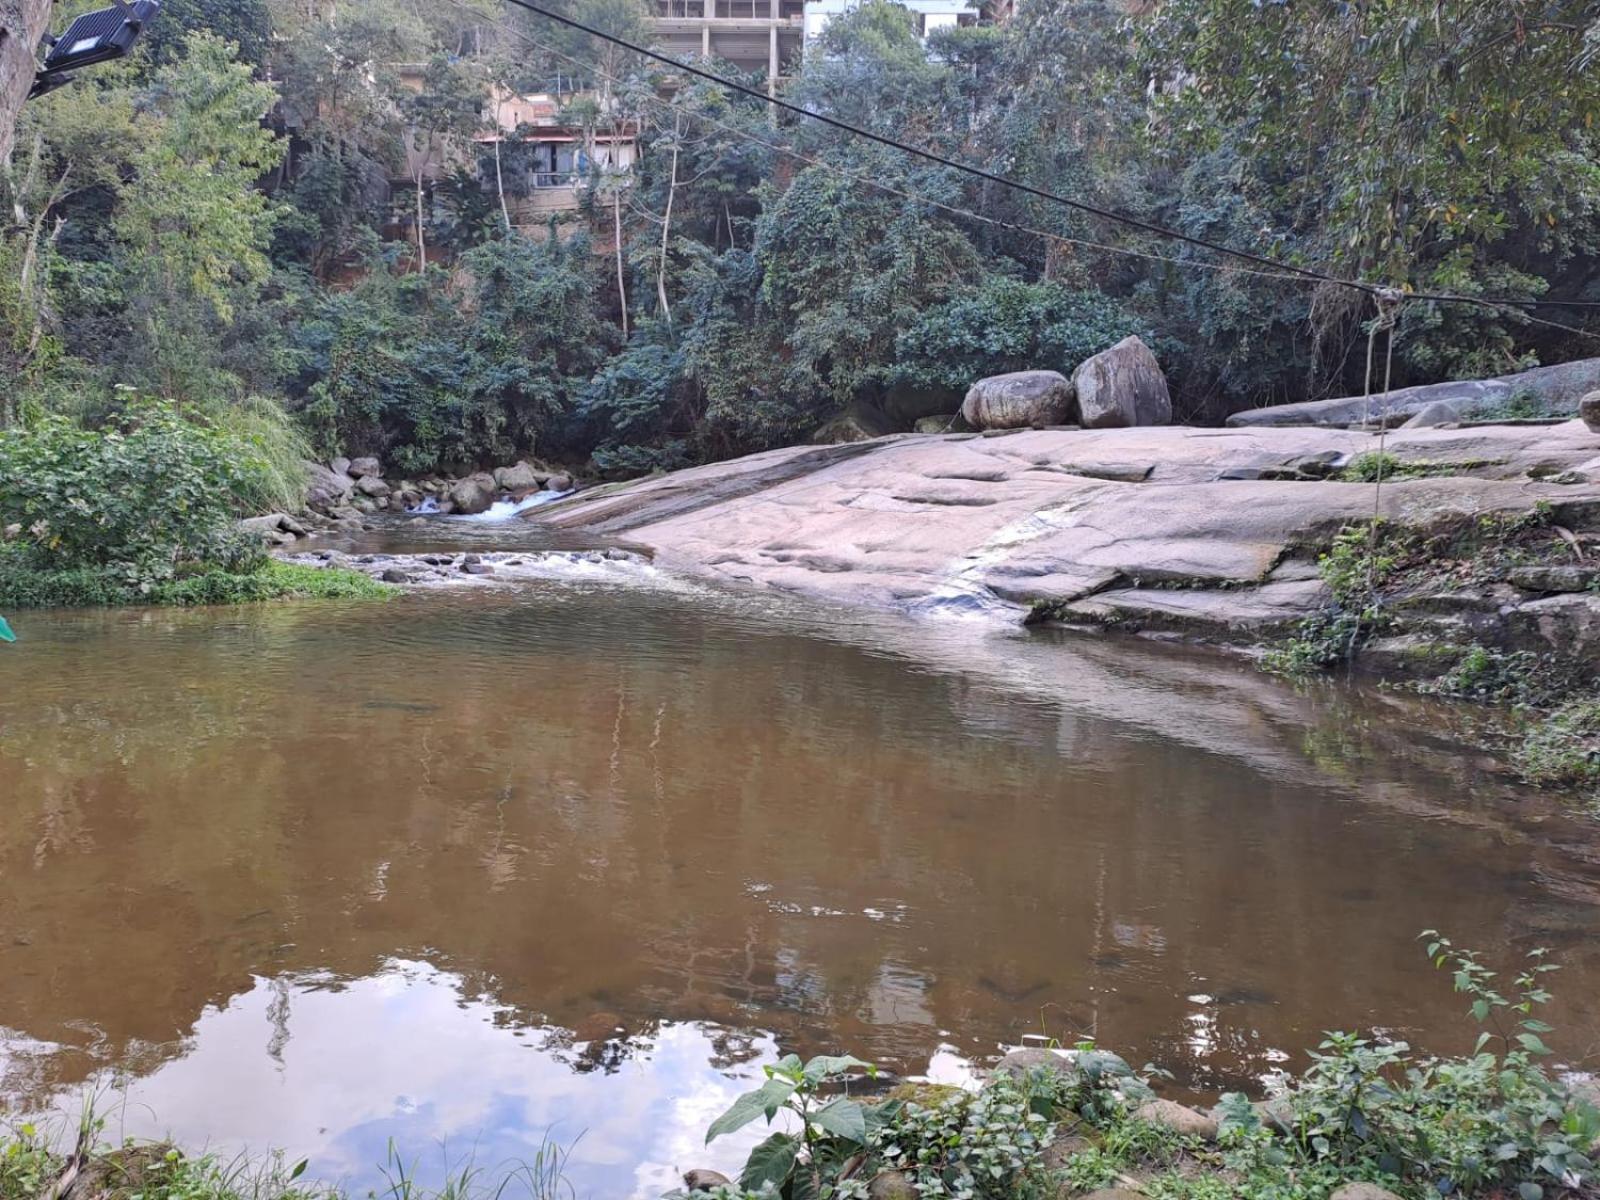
<point x="334" y="1071"/>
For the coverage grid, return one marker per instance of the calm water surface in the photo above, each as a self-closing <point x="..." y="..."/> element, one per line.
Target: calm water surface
<point x="464" y="870"/>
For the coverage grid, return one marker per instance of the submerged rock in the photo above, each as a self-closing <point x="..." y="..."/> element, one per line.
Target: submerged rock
<point x="1122" y="386"/>
<point x="1019" y="400"/>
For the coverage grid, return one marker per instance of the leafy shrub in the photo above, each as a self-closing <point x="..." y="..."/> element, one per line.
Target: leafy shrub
<point x="138" y="501"/>
<point x="1563" y="749"/>
<point x="1008" y="325"/>
<point x="22" y="586"/>
<point x="1355" y="568"/>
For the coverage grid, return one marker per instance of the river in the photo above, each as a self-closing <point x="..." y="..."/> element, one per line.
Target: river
<point x="571" y="860"/>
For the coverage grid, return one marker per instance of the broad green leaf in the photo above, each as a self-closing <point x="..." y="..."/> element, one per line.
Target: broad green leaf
<point x="770" y="1162"/>
<point x="788" y="1066"/>
<point x="1532" y="1043"/>
<point x="824" y="1065"/>
<point x="843" y="1118"/>
<point x="764" y="1101"/>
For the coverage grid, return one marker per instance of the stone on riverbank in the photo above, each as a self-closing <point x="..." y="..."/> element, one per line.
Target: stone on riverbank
<point x="1179" y="1118"/>
<point x="327" y="486"/>
<point x="892" y="1185"/>
<point x="1122" y="386"/>
<point x="1553" y="391"/>
<point x="361" y="468"/>
<point x="1362" y="1191"/>
<point x="704" y="1181"/>
<point x="1019" y="400"/>
<point x="1020" y="1063"/>
<point x="1589" y="410"/>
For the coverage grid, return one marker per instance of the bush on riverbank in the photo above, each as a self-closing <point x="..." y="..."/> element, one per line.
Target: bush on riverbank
<point x="142" y="512"/>
<point x="1495" y="1123"/>
<point x="22" y="586"/>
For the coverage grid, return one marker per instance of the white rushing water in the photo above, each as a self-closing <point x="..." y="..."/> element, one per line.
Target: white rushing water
<point x="500" y="510"/>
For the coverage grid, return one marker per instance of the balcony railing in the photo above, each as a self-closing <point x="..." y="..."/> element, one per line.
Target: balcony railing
<point x="555" y="179"/>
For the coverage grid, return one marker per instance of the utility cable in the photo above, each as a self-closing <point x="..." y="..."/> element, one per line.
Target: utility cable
<point x="1027" y="188"/>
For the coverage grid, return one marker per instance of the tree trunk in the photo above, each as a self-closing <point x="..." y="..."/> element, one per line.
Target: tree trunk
<point x="500" y="184"/>
<point x="622" y="283"/>
<point x="22" y="24"/>
<point x="422" y="245"/>
<point x="666" y="222"/>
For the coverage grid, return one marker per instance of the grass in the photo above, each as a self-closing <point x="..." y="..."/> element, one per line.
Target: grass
<point x="23" y="587"/>
<point x="35" y="1165"/>
<point x="1375" y="465"/>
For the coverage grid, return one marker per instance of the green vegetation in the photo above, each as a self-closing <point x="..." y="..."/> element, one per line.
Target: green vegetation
<point x="1356" y="566"/>
<point x="34" y="1164"/>
<point x="1489" y="1124"/>
<point x="1563" y="748"/>
<point x="746" y="281"/>
<point x="142" y="511"/>
<point x="1377" y="465"/>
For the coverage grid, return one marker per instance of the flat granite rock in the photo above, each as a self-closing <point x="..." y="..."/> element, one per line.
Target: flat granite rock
<point x="1134" y="523"/>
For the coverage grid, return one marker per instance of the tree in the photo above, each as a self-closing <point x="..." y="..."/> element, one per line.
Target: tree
<point x="193" y="230"/>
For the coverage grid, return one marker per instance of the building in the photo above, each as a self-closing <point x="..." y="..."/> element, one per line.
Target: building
<point x="545" y="156"/>
<point x="758" y="36"/>
<point x="931" y="15"/>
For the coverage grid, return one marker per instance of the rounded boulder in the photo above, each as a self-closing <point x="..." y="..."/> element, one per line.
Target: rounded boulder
<point x="1019" y="400"/>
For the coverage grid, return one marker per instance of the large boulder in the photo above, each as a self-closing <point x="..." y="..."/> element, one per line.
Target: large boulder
<point x="1020" y="400"/>
<point x="360" y="467"/>
<point x="519" y="478"/>
<point x="559" y="482"/>
<point x="474" y="494"/>
<point x="1122" y="386"/>
<point x="326" y="488"/>
<point x="1589" y="410"/>
<point x="372" y="485"/>
<point x="857" y="423"/>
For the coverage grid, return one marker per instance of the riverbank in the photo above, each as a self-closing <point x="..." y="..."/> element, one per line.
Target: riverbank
<point x="1368" y="1119"/>
<point x="1489" y="562"/>
<point x="23" y="586"/>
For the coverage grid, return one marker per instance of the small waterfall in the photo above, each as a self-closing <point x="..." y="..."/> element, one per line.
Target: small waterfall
<point x="506" y="508"/>
<point x="502" y="509"/>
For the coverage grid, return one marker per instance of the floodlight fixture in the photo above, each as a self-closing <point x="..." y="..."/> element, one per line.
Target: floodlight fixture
<point x="95" y="37"/>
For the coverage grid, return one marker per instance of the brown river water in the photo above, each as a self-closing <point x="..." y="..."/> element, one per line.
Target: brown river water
<point x="466" y="870"/>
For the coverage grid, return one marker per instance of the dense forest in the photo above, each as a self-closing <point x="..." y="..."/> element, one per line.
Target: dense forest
<point x="279" y="216"/>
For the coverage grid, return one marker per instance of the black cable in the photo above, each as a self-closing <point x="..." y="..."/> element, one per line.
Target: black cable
<point x="1029" y="189"/>
<point x="904" y="147"/>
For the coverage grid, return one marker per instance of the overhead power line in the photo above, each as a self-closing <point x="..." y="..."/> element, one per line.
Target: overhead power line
<point x="1275" y="266"/>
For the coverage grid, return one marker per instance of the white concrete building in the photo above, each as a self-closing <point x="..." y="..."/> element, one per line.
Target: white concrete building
<point x="931" y="14"/>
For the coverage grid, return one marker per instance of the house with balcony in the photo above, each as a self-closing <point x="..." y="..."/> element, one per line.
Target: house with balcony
<point x="542" y="154"/>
